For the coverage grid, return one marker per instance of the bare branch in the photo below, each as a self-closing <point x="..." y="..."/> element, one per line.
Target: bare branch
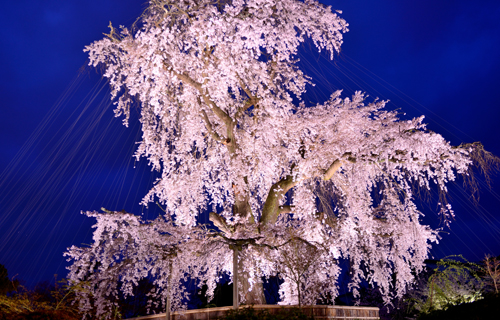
<point x="206" y="98"/>
<point x="285" y="209"/>
<point x="332" y="169"/>
<point x="221" y="114"/>
<point x="219" y="222"/>
<point x="208" y="124"/>
<point x="252" y="99"/>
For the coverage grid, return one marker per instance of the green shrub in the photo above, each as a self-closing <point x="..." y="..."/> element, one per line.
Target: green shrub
<point x="487" y="308"/>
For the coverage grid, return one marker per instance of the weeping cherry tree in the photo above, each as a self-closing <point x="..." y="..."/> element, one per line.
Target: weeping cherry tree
<point x="219" y="91"/>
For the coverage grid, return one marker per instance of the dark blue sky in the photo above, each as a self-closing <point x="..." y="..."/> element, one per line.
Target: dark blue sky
<point x="60" y="155"/>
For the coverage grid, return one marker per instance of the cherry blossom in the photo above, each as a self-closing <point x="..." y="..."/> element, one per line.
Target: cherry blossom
<point x="223" y="122"/>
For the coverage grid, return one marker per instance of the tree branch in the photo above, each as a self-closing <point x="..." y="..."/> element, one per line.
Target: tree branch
<point x="219" y="222"/>
<point x="332" y="169"/>
<point x="285" y="209"/>
<point x="210" y="129"/>
<point x="186" y="78"/>
<point x="228" y="121"/>
<point x="252" y="100"/>
<point x="270" y="210"/>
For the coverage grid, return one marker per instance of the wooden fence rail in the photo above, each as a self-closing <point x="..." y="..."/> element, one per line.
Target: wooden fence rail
<point x="319" y="312"/>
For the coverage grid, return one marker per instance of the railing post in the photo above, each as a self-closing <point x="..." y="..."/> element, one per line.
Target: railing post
<point x="236" y="303"/>
<point x="167" y="313"/>
<point x="167" y="307"/>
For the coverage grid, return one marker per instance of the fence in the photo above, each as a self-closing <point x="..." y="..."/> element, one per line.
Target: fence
<point x="319" y="312"/>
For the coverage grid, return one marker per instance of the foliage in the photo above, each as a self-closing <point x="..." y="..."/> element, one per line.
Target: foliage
<point x="5" y="283"/>
<point x="252" y="314"/>
<point x="454" y="281"/>
<point x="450" y="281"/>
<point x="487" y="308"/>
<point x="125" y="246"/>
<point x="219" y="92"/>
<point x="296" y="263"/>
<point x="44" y="302"/>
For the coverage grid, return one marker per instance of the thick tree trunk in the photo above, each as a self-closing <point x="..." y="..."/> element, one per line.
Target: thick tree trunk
<point x="248" y="294"/>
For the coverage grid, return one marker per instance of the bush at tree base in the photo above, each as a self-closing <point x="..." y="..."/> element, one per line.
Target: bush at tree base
<point x="487" y="308"/>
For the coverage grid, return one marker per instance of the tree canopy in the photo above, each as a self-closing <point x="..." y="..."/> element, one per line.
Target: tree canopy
<point x="219" y="93"/>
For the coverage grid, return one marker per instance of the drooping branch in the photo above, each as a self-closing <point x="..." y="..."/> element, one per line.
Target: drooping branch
<point x="484" y="160"/>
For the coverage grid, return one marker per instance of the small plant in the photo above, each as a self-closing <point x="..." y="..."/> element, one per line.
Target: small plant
<point x="492" y="270"/>
<point x="45" y="302"/>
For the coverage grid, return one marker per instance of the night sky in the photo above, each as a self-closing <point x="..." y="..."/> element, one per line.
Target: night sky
<point x="62" y="151"/>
